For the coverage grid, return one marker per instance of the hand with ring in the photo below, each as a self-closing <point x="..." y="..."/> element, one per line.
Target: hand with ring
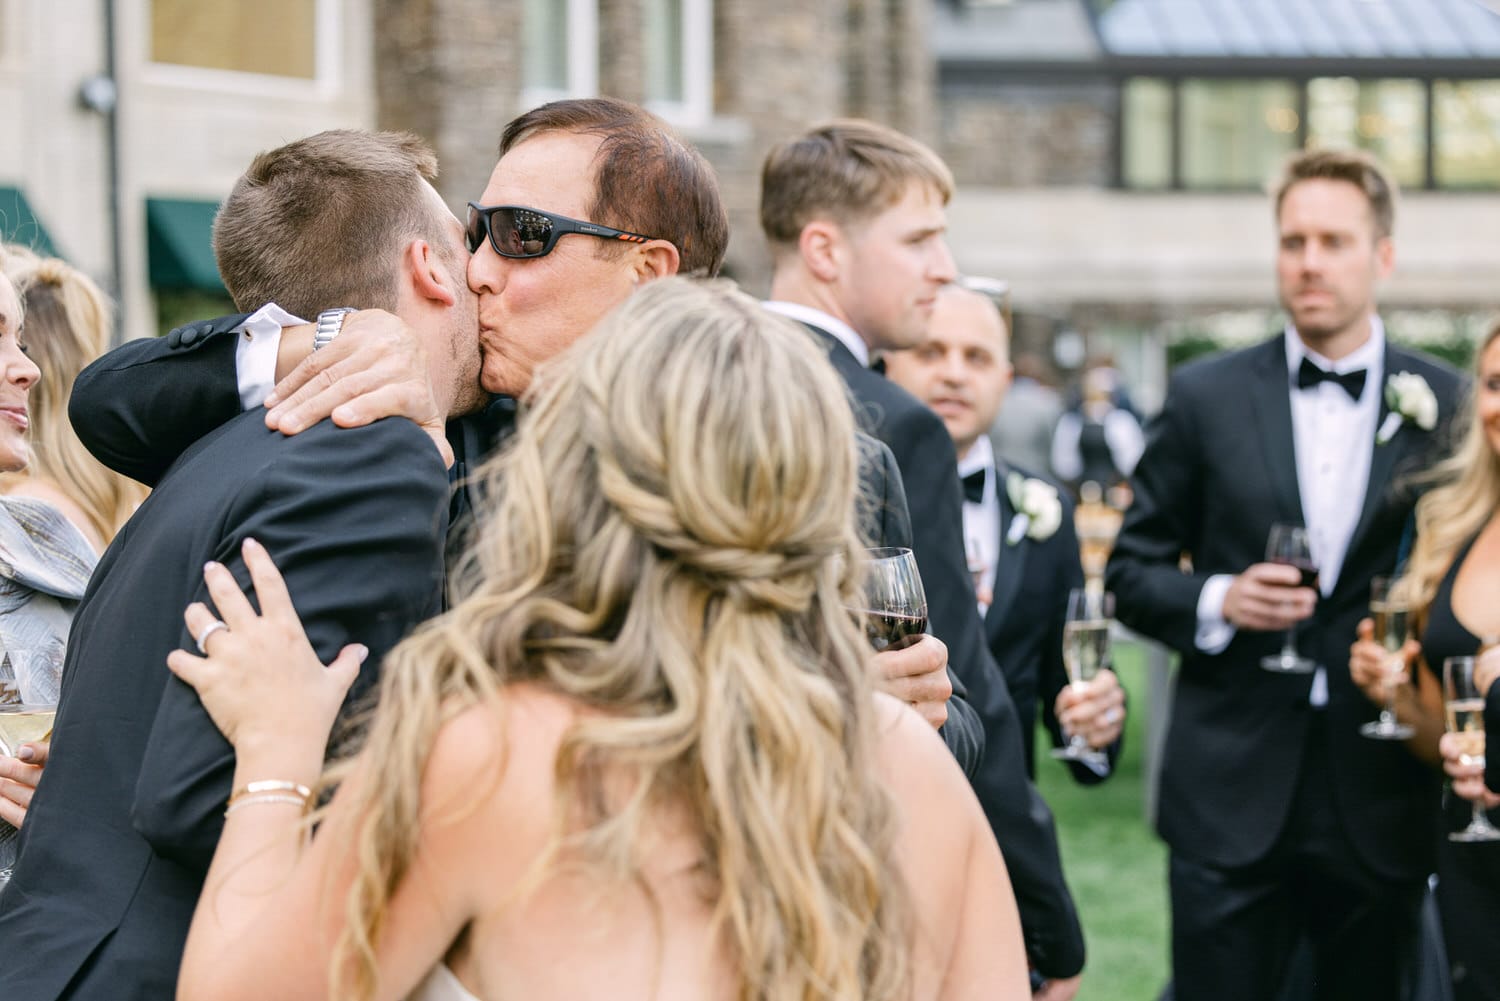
<point x="202" y="638"/>
<point x="259" y="677"/>
<point x="1095" y="710"/>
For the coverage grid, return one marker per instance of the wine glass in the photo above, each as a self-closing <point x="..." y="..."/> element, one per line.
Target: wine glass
<point x="19" y="722"/>
<point x="1288" y="546"/>
<point x="895" y="612"/>
<point x="1085" y="654"/>
<point x="1391" y="612"/>
<point x="1465" y="717"/>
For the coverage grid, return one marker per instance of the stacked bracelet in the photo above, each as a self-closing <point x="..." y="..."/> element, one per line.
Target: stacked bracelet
<point x="269" y="791"/>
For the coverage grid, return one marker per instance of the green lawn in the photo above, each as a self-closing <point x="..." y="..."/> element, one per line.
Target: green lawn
<point x="1115" y="864"/>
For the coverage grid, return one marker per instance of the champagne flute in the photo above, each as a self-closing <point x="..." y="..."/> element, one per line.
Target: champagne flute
<point x="1085" y="654"/>
<point x="19" y="722"/>
<point x="1391" y="612"/>
<point x="1288" y="545"/>
<point x="895" y="612"/>
<point x="1465" y="717"/>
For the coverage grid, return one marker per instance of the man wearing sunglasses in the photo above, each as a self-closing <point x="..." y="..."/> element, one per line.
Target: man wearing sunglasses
<point x="544" y="276"/>
<point x="118" y="839"/>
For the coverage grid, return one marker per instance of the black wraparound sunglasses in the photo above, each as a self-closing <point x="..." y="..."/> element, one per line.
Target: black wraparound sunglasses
<point x="517" y="231"/>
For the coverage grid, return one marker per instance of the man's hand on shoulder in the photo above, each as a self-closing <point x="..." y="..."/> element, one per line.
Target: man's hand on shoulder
<point x="376" y="367"/>
<point x="1267" y="598"/>
<point x="918" y="676"/>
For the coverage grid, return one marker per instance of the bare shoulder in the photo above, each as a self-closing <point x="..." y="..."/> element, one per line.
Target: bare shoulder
<point x="493" y="762"/>
<point x="910" y="754"/>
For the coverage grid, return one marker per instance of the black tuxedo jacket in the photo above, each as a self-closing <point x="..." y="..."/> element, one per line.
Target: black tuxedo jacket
<point x="1219" y="469"/>
<point x="1024" y="623"/>
<point x="1017" y="814"/>
<point x="148" y="400"/>
<point x="130" y="806"/>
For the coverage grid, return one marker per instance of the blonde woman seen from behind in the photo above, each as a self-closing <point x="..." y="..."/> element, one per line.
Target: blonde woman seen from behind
<point x="641" y="756"/>
<point x="68" y="323"/>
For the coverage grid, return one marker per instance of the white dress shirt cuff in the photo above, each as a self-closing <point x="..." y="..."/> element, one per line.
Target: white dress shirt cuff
<point x="1214" y="632"/>
<point x="255" y="363"/>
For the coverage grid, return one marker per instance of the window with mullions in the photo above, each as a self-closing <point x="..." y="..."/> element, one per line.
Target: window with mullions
<point x="1386" y="117"/>
<point x="1230" y="133"/>
<point x="1466" y="121"/>
<point x="561" y="54"/>
<point x="1236" y="132"/>
<point x="678" y="36"/>
<point x="1146" y="143"/>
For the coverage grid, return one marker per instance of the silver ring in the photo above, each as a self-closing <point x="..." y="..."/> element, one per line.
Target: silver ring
<point x="1112" y="716"/>
<point x="208" y="631"/>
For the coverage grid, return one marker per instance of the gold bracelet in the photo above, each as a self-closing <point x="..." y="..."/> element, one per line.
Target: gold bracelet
<point x="266" y="797"/>
<point x="270" y="785"/>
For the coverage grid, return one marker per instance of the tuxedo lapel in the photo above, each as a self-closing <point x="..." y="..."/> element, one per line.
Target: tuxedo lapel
<point x="1383" y="459"/>
<point x="1270" y="394"/>
<point x="1010" y="569"/>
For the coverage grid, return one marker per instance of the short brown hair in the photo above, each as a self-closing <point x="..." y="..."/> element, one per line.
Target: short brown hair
<point x="318" y="223"/>
<point x="1351" y="166"/>
<point x="847" y="170"/>
<point x="648" y="180"/>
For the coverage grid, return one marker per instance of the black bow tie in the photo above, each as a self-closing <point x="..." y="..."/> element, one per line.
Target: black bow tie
<point x="974" y="486"/>
<point x="1310" y="375"/>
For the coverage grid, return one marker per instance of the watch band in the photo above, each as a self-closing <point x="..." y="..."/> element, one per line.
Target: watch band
<point x="330" y="322"/>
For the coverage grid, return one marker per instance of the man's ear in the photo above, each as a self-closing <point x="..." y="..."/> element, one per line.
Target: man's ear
<point x="1385" y="257"/>
<point x="656" y="259"/>
<point x="819" y="246"/>
<point x="427" y="274"/>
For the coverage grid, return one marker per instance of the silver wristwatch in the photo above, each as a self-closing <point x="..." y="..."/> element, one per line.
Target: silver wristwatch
<point x="330" y="322"/>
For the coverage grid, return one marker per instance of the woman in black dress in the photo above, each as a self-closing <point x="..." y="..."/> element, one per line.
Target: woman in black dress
<point x="1450" y="581"/>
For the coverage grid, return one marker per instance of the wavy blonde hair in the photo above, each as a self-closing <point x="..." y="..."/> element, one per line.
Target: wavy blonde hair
<point x="671" y="540"/>
<point x="1466" y="496"/>
<point x="68" y="321"/>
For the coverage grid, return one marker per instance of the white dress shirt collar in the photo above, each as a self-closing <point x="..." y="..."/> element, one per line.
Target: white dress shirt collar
<point x="981" y="455"/>
<point x="1369" y="356"/>
<point x="845" y="334"/>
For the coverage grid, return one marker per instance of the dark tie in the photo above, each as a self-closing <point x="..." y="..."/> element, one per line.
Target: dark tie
<point x="878" y="366"/>
<point x="1310" y="375"/>
<point x="974" y="486"/>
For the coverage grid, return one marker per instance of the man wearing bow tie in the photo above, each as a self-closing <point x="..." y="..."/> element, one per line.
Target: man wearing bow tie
<point x="1024" y="562"/>
<point x="855" y="215"/>
<point x="1283" y="822"/>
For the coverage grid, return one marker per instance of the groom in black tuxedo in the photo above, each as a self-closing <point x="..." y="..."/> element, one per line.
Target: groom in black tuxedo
<point x="1018" y="531"/>
<point x="120" y="833"/>
<point x="1284" y="823"/>
<point x="855" y="215"/>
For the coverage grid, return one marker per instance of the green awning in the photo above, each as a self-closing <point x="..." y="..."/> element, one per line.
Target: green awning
<point x="179" y="244"/>
<point x="18" y="224"/>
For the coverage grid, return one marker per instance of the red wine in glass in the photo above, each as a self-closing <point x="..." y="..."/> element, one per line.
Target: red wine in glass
<point x="1289" y="546"/>
<point x="1307" y="569"/>
<point x="892" y="631"/>
<point x="895" y="612"/>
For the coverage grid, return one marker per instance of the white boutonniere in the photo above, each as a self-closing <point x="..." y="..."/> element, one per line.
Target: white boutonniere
<point x="1038" y="509"/>
<point x="1411" y="400"/>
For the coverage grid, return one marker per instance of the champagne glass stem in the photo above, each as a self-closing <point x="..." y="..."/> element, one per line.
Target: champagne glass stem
<point x="1388" y="714"/>
<point x="1479" y="819"/>
<point x="1289" y="645"/>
